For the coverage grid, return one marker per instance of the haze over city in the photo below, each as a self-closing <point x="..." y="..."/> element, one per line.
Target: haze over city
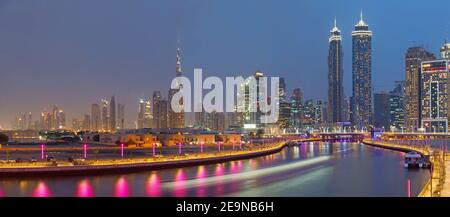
<point x="73" y="53"/>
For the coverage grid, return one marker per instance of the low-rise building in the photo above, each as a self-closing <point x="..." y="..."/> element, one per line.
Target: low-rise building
<point x="196" y="139"/>
<point x="172" y="139"/>
<point x="139" y="140"/>
<point x="229" y="139"/>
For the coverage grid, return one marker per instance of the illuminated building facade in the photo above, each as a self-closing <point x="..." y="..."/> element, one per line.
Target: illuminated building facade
<point x="413" y="84"/>
<point x="112" y="115"/>
<point x="144" y="114"/>
<point x="157" y="96"/>
<point x="397" y="106"/>
<point x="435" y="95"/>
<point x="285" y="107"/>
<point x="105" y="116"/>
<point x="362" y="75"/>
<point x="335" y="76"/>
<point x="296" y="108"/>
<point x="445" y="51"/>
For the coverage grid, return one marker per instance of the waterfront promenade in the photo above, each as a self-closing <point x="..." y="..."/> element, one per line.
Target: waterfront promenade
<point x="135" y="164"/>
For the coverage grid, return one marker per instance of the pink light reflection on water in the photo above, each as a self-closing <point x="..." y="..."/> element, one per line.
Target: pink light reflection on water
<point x="253" y="164"/>
<point x="233" y="167"/>
<point x="219" y="170"/>
<point x="84" y="189"/>
<point x="201" y="172"/>
<point x="240" y="165"/>
<point x="179" y="188"/>
<point x="219" y="173"/>
<point x="2" y="194"/>
<point x="122" y="189"/>
<point x="153" y="186"/>
<point x="41" y="190"/>
<point x="201" y="175"/>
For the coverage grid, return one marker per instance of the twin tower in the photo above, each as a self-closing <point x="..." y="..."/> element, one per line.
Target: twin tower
<point x="360" y="103"/>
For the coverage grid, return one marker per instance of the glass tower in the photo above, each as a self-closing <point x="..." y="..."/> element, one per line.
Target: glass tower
<point x="335" y="76"/>
<point x="362" y="74"/>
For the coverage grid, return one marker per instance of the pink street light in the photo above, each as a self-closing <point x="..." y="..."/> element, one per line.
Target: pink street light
<point x="218" y="145"/>
<point x="201" y="147"/>
<point x="179" y="148"/>
<point x="42" y="151"/>
<point x="85" y="151"/>
<point x="121" y="149"/>
<point x="154" y="146"/>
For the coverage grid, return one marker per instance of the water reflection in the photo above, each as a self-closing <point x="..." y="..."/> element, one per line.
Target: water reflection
<point x="179" y="189"/>
<point x="85" y="189"/>
<point x="121" y="189"/>
<point x="41" y="190"/>
<point x="153" y="185"/>
<point x="201" y="175"/>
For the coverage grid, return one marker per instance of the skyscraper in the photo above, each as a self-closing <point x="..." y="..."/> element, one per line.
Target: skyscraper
<point x="144" y="114"/>
<point x="335" y="76"/>
<point x="112" y="115"/>
<point x="445" y="51"/>
<point x="382" y="109"/>
<point x="435" y="95"/>
<point x="105" y="117"/>
<point x="413" y="84"/>
<point x="319" y="112"/>
<point x="157" y="97"/>
<point x="296" y="108"/>
<point x="362" y="74"/>
<point x="397" y="106"/>
<point x="176" y="119"/>
<point x="285" y="107"/>
<point x="121" y="116"/>
<point x="86" y="123"/>
<point x="96" y="118"/>
<point x="161" y="108"/>
<point x="214" y="120"/>
<point x="248" y="116"/>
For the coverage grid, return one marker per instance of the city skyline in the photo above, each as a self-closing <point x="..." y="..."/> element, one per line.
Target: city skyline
<point x="98" y="80"/>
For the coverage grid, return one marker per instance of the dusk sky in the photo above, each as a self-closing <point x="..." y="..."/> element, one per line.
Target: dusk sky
<point x="73" y="53"/>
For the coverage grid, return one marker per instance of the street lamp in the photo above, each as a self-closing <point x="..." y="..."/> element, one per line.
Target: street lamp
<point x="218" y="145"/>
<point x="85" y="151"/>
<point x="179" y="148"/>
<point x="42" y="151"/>
<point x="121" y="149"/>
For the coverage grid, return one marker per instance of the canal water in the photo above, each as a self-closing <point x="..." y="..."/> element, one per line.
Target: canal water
<point x="313" y="169"/>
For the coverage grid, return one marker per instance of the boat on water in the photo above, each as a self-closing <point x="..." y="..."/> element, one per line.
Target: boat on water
<point x="414" y="159"/>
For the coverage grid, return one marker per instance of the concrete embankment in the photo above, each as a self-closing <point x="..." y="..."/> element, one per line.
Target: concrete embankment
<point x="394" y="147"/>
<point x="114" y="168"/>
